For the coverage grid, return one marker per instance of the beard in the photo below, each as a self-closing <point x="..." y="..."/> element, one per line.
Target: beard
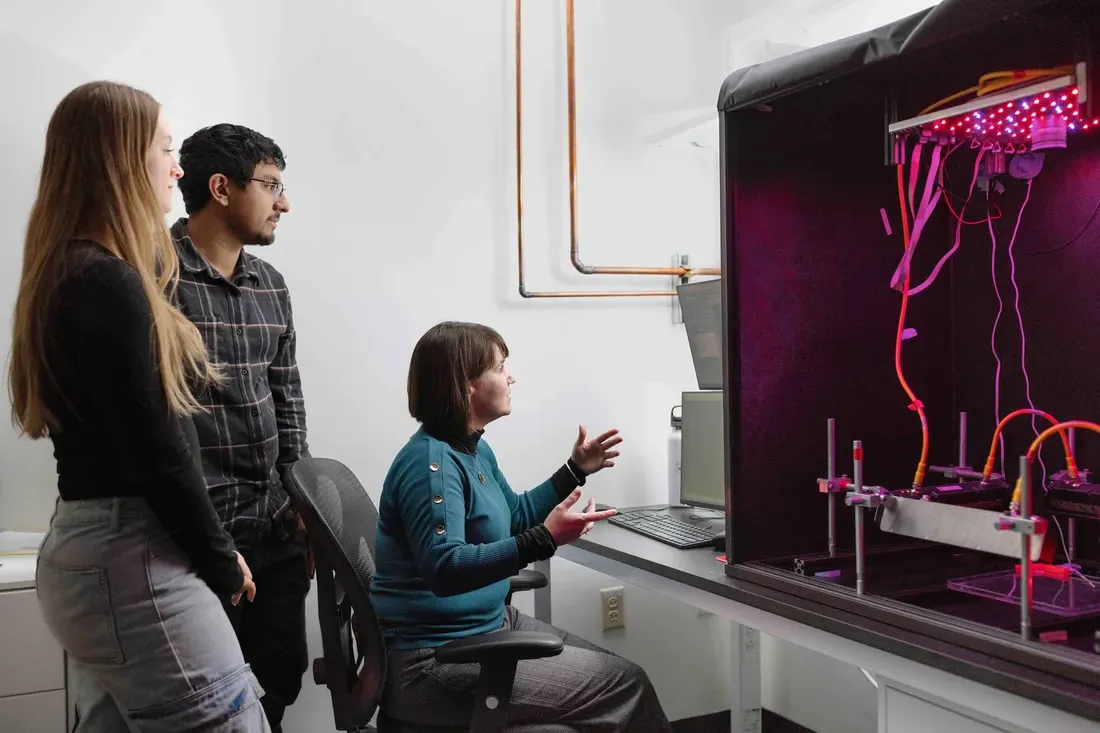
<point x="250" y="235"/>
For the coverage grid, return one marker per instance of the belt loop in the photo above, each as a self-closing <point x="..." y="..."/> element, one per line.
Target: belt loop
<point x="116" y="512"/>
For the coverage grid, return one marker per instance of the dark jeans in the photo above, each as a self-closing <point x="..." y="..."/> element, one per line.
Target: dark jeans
<point x="272" y="628"/>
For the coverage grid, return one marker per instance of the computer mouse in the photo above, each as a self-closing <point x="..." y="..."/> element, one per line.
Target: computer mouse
<point x="719" y="542"/>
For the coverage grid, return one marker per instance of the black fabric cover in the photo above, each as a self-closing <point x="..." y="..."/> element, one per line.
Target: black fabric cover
<point x="760" y="83"/>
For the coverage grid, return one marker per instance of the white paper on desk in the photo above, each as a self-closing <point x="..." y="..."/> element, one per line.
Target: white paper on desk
<point x="20" y="542"/>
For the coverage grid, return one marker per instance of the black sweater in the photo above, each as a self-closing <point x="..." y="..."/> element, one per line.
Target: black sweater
<point x="114" y="434"/>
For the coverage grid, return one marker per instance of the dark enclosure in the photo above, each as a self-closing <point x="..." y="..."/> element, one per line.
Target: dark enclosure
<point x="811" y="317"/>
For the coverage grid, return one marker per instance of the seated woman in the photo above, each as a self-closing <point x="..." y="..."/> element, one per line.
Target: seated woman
<point x="451" y="532"/>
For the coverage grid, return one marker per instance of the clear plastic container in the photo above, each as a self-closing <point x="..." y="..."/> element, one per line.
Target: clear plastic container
<point x="1077" y="596"/>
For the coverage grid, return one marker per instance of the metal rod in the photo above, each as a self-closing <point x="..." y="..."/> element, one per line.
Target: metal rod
<point x="1071" y="527"/>
<point x="956" y="471"/>
<point x="1025" y="551"/>
<point x="857" y="472"/>
<point x="962" y="439"/>
<point x="830" y="443"/>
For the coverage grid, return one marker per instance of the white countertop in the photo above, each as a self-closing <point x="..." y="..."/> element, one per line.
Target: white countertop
<point x="18" y="554"/>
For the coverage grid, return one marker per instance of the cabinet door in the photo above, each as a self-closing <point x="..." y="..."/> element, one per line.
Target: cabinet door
<point x="31" y="660"/>
<point x="902" y="712"/>
<point x="41" y="712"/>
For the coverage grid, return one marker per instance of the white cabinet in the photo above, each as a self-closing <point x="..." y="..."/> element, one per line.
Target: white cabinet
<point x="38" y="712"/>
<point x="903" y="712"/>
<point x="32" y="663"/>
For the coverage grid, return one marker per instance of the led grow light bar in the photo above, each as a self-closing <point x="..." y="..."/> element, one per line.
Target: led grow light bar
<point x="1012" y="114"/>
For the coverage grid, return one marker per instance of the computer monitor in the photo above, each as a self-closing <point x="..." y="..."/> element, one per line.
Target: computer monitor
<point x="701" y="306"/>
<point x="702" y="451"/>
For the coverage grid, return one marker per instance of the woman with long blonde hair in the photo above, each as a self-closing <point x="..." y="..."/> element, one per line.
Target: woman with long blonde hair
<point x="130" y="571"/>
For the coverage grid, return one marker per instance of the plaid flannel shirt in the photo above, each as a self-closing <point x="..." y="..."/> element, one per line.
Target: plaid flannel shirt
<point x="255" y="421"/>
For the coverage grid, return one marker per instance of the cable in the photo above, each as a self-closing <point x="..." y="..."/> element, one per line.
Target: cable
<point x="996" y="81"/>
<point x="992" y="210"/>
<point x="957" y="95"/>
<point x="958" y="229"/>
<point x="914" y="172"/>
<point x="990" y="206"/>
<point x="1065" y="548"/>
<point x="928" y="201"/>
<point x="1073" y="239"/>
<point x="993" y="340"/>
<point x="915" y="404"/>
<point x="1071" y="463"/>
<point x="1035" y="444"/>
<point x="1020" y="321"/>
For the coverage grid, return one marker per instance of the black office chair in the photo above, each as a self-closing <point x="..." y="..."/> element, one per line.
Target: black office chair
<point x="340" y="520"/>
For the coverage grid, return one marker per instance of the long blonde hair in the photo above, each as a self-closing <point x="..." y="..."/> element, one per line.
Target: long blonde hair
<point x="94" y="180"/>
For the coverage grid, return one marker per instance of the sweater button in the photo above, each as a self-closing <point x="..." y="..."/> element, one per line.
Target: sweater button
<point x="437" y="499"/>
<point x="433" y="467"/>
<point x="440" y="529"/>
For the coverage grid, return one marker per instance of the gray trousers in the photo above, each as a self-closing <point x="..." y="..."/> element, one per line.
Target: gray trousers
<point x="150" y="647"/>
<point x="585" y="688"/>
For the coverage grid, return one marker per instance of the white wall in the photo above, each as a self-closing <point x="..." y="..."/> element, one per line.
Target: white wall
<point x="397" y="121"/>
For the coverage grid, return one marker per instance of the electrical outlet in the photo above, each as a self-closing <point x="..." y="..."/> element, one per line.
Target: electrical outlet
<point x="750" y="638"/>
<point x="611" y="608"/>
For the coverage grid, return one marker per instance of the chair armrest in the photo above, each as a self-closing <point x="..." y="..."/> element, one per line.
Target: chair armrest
<point x="527" y="580"/>
<point x="500" y="645"/>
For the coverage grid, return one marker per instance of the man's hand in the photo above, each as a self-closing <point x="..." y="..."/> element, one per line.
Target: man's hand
<point x="248" y="588"/>
<point x="301" y="536"/>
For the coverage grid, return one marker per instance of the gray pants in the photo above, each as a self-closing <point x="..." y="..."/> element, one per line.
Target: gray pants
<point x="150" y="647"/>
<point x="585" y="688"/>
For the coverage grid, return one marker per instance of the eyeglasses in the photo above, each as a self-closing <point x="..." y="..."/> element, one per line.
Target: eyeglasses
<point x="277" y="188"/>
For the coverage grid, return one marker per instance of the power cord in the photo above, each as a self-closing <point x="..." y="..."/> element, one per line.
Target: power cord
<point x="1072" y="240"/>
<point x="993" y="338"/>
<point x="958" y="228"/>
<point x="1020" y="321"/>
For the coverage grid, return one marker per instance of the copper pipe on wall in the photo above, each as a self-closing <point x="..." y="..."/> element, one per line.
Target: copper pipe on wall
<point x="574" y="243"/>
<point x="574" y="252"/>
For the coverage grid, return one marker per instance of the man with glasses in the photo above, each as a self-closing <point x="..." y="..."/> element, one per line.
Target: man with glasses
<point x="254" y="425"/>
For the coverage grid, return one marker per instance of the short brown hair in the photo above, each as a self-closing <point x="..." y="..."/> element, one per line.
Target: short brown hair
<point x="445" y="360"/>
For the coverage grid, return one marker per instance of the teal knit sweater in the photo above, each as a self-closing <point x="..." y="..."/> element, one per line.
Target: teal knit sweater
<point x="446" y="541"/>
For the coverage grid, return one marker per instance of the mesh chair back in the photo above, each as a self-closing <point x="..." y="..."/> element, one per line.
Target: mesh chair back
<point x="340" y="520"/>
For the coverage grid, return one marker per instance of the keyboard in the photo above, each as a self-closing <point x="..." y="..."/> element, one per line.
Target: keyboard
<point x="664" y="528"/>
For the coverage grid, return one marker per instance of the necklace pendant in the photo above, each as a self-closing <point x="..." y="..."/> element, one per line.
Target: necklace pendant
<point x="481" y="477"/>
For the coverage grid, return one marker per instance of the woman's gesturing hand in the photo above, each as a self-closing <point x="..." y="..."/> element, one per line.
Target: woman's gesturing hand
<point x="566" y="526"/>
<point x="593" y="455"/>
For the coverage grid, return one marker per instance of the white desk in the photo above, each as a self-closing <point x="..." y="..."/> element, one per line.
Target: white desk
<point x="32" y="663"/>
<point x="912" y="696"/>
